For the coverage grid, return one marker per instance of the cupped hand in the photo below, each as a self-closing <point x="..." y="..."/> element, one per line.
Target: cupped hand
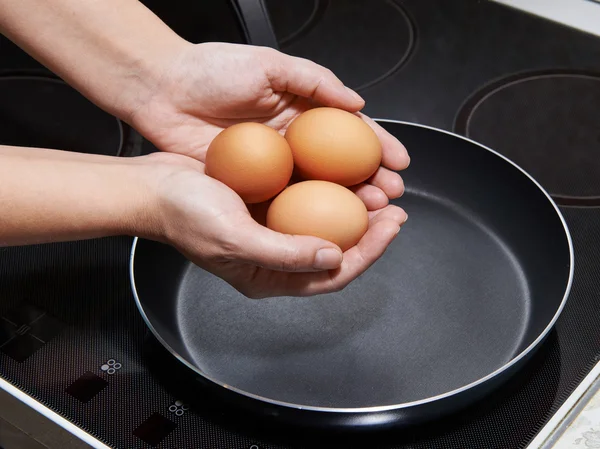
<point x="211" y="86"/>
<point x="210" y="225"/>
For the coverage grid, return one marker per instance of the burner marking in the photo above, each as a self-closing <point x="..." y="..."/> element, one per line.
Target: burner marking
<point x="111" y="367"/>
<point x="179" y="408"/>
<point x="9" y="321"/>
<point x="23" y="329"/>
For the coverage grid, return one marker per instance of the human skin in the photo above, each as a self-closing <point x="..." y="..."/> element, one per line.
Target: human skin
<point x="179" y="95"/>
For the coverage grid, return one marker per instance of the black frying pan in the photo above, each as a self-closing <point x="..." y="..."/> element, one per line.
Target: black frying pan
<point x="461" y="299"/>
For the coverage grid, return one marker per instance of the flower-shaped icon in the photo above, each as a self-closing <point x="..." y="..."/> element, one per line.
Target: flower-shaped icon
<point x="111" y="367"/>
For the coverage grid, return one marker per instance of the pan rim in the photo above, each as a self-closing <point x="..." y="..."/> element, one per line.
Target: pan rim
<point x="388" y="408"/>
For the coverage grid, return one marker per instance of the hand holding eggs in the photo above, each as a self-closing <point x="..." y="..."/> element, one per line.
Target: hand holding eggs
<point x="331" y="150"/>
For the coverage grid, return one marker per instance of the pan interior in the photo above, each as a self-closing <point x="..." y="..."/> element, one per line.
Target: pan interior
<point x="446" y="305"/>
<point x="476" y="275"/>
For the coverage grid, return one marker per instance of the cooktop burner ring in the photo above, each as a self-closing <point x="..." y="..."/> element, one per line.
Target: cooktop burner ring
<point x="44" y="111"/>
<point x="362" y="51"/>
<point x="545" y="122"/>
<point x="318" y="9"/>
<point x="410" y="47"/>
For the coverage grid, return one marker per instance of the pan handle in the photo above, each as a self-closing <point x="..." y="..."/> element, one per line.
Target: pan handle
<point x="256" y="23"/>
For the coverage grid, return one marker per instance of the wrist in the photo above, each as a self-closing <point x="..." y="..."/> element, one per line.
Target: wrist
<point x="114" y="52"/>
<point x="150" y="202"/>
<point x="162" y="79"/>
<point x="146" y="76"/>
<point x="140" y="211"/>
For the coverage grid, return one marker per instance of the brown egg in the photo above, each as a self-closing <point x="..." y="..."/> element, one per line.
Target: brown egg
<point x="320" y="209"/>
<point x="252" y="159"/>
<point x="333" y="145"/>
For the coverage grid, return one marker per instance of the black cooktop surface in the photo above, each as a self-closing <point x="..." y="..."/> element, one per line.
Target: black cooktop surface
<point x="70" y="333"/>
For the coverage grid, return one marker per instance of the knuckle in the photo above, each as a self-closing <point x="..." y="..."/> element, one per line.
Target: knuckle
<point x="225" y="248"/>
<point x="290" y="256"/>
<point x="329" y="73"/>
<point x="318" y="85"/>
<point x="335" y="286"/>
<point x="290" y="260"/>
<point x="269" y="58"/>
<point x="267" y="52"/>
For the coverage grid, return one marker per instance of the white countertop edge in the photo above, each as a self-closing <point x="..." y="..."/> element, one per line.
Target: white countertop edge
<point x="558" y="421"/>
<point x="543" y="438"/>
<point x="51" y="415"/>
<point x="583" y="15"/>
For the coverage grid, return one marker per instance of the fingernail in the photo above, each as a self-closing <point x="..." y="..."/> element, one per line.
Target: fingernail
<point x="327" y="259"/>
<point x="354" y="95"/>
<point x="400" y="227"/>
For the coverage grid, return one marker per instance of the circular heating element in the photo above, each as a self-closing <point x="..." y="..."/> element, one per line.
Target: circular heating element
<point x="295" y="17"/>
<point x="361" y="49"/>
<point x="47" y="113"/>
<point x="548" y="123"/>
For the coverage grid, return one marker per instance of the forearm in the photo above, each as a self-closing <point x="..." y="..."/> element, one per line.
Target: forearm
<point x="113" y="51"/>
<point x="51" y="196"/>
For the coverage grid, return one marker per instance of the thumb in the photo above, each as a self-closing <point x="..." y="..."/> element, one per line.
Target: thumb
<point x="308" y="79"/>
<point x="283" y="252"/>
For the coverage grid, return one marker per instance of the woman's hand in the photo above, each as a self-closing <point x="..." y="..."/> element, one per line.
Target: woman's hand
<point x="180" y="96"/>
<point x="210" y="224"/>
<point x="211" y="86"/>
<point x="168" y="198"/>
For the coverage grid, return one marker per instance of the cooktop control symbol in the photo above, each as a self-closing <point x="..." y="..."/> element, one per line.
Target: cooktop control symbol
<point x="178" y="408"/>
<point x="25" y="329"/>
<point x="155" y="429"/>
<point x="111" y="367"/>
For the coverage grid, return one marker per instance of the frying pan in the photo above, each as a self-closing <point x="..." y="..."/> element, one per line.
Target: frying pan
<point x="459" y="302"/>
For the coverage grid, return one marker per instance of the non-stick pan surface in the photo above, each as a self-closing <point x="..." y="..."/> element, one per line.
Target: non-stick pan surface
<point x="469" y="288"/>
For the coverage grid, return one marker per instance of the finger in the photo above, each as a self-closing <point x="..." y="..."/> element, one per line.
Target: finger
<point x="310" y="80"/>
<point x="389" y="182"/>
<point x="366" y="252"/>
<point x="373" y="197"/>
<point x="389" y="212"/>
<point x="383" y="228"/>
<point x="394" y="154"/>
<point x="260" y="246"/>
<point x="357" y="259"/>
